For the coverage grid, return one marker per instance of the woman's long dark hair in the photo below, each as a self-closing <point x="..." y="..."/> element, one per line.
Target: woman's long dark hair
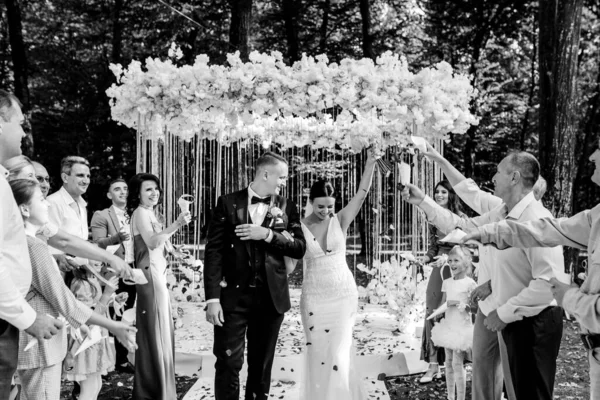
<point x="321" y="188"/>
<point x="134" y="187"/>
<point x="454" y="203"/>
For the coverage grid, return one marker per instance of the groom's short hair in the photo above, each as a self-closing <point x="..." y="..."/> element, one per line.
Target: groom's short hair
<point x="269" y="158"/>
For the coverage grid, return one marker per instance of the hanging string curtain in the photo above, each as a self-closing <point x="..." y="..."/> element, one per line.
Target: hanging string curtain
<point x="352" y="105"/>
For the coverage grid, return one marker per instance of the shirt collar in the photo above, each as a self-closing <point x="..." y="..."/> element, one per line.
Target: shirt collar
<point x="69" y="199"/>
<point x="118" y="211"/>
<point x="252" y="193"/>
<point x="520" y="207"/>
<point x="4" y="171"/>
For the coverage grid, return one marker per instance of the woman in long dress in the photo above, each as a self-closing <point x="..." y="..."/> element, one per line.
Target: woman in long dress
<point x="154" y="376"/>
<point x="329" y="299"/>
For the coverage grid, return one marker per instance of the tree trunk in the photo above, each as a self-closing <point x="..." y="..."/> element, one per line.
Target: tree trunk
<point x="530" y="104"/>
<point x="117" y="36"/>
<point x="367" y="42"/>
<point x="560" y="22"/>
<point x="17" y="50"/>
<point x="323" y="28"/>
<point x="239" y="30"/>
<point x="584" y="198"/>
<point x="290" y="17"/>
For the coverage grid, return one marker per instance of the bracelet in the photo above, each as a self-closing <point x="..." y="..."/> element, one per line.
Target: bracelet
<point x="268" y="233"/>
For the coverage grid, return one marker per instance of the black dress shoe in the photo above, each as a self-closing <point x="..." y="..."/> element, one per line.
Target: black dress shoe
<point x="126" y="368"/>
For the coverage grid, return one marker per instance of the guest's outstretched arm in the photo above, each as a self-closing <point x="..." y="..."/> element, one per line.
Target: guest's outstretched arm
<point x="78" y="247"/>
<point x="453" y="175"/>
<point x="468" y="191"/>
<point x="348" y="213"/>
<point x="546" y="232"/>
<point x="155" y="239"/>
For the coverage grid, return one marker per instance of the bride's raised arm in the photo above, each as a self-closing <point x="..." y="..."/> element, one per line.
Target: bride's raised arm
<point x="348" y="213"/>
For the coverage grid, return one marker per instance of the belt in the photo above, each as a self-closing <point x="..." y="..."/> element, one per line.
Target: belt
<point x="591" y="341"/>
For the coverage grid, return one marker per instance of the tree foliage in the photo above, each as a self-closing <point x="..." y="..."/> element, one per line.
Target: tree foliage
<point x="67" y="46"/>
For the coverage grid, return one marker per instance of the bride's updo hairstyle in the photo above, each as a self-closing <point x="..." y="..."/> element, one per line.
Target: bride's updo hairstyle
<point x="321" y="188"/>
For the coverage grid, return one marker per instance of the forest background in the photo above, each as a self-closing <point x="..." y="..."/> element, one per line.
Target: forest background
<point x="55" y="56"/>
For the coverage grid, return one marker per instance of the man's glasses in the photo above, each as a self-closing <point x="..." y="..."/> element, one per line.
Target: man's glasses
<point x="42" y="179"/>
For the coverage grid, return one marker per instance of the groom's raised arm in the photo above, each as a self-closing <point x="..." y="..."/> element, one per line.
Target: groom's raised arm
<point x="213" y="256"/>
<point x="297" y="247"/>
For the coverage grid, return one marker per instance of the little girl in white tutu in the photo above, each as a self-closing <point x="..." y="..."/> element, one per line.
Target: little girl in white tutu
<point x="455" y="332"/>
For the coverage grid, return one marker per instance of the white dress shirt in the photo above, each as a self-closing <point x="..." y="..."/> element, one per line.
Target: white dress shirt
<point x="125" y="227"/>
<point x="581" y="231"/>
<point x="516" y="290"/>
<point x="15" y="265"/>
<point x="68" y="215"/>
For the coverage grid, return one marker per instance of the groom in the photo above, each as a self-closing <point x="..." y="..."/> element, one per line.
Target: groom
<point x="245" y="277"/>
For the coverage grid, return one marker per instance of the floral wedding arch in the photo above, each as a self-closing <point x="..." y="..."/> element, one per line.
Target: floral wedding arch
<point x="353" y="104"/>
<point x="201" y="126"/>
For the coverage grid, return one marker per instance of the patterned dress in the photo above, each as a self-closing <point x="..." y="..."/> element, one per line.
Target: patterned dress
<point x="100" y="357"/>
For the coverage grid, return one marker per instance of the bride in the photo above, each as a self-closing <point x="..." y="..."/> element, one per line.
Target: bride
<point x="329" y="299"/>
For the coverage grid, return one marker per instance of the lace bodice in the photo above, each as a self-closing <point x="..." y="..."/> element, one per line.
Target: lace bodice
<point x="326" y="273"/>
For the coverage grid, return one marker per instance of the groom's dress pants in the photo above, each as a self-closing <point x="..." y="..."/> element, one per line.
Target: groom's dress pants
<point x="256" y="320"/>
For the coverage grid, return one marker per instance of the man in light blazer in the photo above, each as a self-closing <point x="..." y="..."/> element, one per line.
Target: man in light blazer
<point x="111" y="227"/>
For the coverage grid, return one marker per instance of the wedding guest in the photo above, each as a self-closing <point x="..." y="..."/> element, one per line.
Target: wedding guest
<point x="455" y="332"/>
<point x="526" y="315"/>
<point x="42" y="176"/>
<point x="68" y="209"/>
<point x="111" y="227"/>
<point x="15" y="265"/>
<point x="329" y="300"/>
<point x="446" y="197"/>
<point x="19" y="167"/>
<point x="154" y="376"/>
<point x="580" y="231"/>
<point x="40" y="367"/>
<point x="87" y="367"/>
<point x="245" y="277"/>
<point x="488" y="359"/>
<point x="78" y="247"/>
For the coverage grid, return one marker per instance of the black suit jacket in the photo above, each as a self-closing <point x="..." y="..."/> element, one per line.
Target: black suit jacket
<point x="227" y="258"/>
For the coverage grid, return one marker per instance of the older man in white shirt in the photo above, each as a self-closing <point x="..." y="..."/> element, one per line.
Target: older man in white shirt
<point x="15" y="267"/>
<point x="520" y="304"/>
<point x="68" y="210"/>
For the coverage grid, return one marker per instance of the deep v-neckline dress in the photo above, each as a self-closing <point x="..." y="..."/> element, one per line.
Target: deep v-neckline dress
<point x="328" y="308"/>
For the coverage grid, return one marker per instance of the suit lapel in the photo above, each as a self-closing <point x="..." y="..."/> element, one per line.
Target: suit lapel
<point x="114" y="219"/>
<point x="241" y="207"/>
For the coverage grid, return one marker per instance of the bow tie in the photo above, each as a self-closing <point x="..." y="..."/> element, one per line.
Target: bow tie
<point x="256" y="200"/>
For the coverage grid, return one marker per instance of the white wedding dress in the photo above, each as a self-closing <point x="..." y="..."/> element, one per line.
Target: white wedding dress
<point x="328" y="307"/>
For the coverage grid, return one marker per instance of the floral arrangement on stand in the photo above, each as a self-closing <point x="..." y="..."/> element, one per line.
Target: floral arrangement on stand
<point x="185" y="285"/>
<point x="353" y="104"/>
<point x="400" y="286"/>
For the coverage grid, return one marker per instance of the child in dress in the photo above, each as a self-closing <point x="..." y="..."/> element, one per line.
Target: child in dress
<point x="436" y="258"/>
<point x="88" y="366"/>
<point x="455" y="331"/>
